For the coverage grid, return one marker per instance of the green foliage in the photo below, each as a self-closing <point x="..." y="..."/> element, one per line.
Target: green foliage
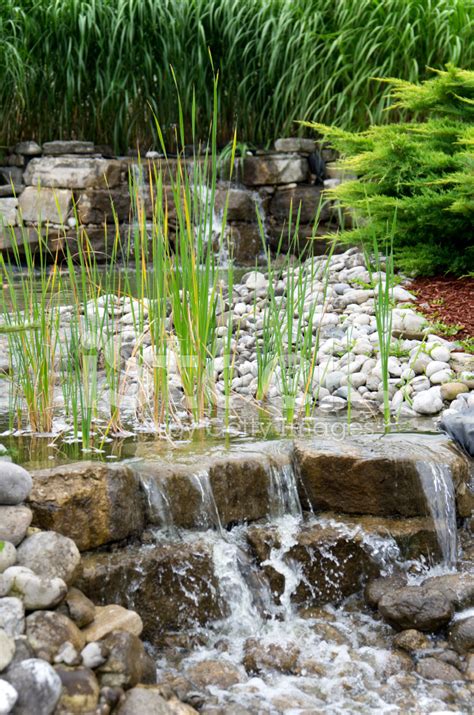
<point x="99" y="69"/>
<point x="421" y="171"/>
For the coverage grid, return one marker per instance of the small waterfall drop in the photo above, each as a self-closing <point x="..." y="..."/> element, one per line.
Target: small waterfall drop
<point x="437" y="483"/>
<point x="158" y="504"/>
<point x="209" y="514"/>
<point x="283" y="491"/>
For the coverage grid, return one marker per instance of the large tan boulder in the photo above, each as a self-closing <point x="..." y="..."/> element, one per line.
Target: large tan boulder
<point x="90" y="502"/>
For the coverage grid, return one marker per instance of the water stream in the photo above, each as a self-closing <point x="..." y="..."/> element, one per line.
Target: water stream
<point x="437" y="483"/>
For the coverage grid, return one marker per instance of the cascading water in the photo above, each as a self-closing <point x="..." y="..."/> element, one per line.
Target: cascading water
<point x="284" y="497"/>
<point x="437" y="483"/>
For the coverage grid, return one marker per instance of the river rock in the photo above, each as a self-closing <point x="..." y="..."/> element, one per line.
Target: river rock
<point x="37" y="684"/>
<point x="12" y="616"/>
<point x="174" y="585"/>
<point x="89" y="502"/>
<point x="78" y="607"/>
<point x="147" y="700"/>
<point x="93" y="655"/>
<point x="50" y="555"/>
<point x="450" y="390"/>
<point x="14" y="523"/>
<point x="260" y="656"/>
<point x="7" y="555"/>
<point x="461" y="634"/>
<point x="417" y="608"/>
<point x="434" y="669"/>
<point x="127" y="662"/>
<point x="7" y="650"/>
<point x="8" y="697"/>
<point x="458" y="588"/>
<point x="15" y="483"/>
<point x="80" y="691"/>
<point x="376" y="588"/>
<point x="35" y="591"/>
<point x="411" y="641"/>
<point x="428" y="402"/>
<point x="218" y="673"/>
<point x="112" y="618"/>
<point x="460" y="427"/>
<point x="47" y="631"/>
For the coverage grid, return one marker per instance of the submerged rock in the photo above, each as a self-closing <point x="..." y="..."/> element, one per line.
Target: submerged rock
<point x="434" y="669"/>
<point x="219" y="673"/>
<point x="260" y="656"/>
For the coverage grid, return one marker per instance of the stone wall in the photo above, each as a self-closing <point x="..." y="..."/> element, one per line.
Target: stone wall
<point x="41" y="186"/>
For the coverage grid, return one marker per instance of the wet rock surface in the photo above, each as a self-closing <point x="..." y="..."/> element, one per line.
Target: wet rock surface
<point x="413" y="607"/>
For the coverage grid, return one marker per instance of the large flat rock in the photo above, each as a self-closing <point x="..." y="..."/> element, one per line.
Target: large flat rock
<point x="91" y="502"/>
<point x="373" y="474"/>
<point x="73" y="172"/>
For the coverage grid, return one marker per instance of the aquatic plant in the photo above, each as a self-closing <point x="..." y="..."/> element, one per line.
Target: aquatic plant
<point x="99" y="70"/>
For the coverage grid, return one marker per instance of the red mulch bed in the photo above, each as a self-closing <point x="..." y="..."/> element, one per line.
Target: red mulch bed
<point x="449" y="300"/>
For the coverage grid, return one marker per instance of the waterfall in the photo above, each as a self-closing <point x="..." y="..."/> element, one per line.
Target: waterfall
<point x="283" y="491"/>
<point x="437" y="483"/>
<point x="158" y="504"/>
<point x="209" y="513"/>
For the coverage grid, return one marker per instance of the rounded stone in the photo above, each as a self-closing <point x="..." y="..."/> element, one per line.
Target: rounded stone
<point x="7" y="650"/>
<point x="217" y="673"/>
<point x="8" y="697"/>
<point x="112" y="618"/>
<point x="127" y="661"/>
<point x="435" y="366"/>
<point x="34" y="591"/>
<point x="411" y="641"/>
<point x="80" y="691"/>
<point x="461" y="635"/>
<point x="37" y="684"/>
<point x="47" y="631"/>
<point x="450" y="390"/>
<point x="93" y="655"/>
<point x="441" y="377"/>
<point x="146" y="700"/>
<point x="427" y="403"/>
<point x="15" y="483"/>
<point x="14" y="523"/>
<point x="50" y="555"/>
<point x="12" y="616"/>
<point x="434" y="669"/>
<point x="440" y="353"/>
<point x="7" y="555"/>
<point x="417" y="608"/>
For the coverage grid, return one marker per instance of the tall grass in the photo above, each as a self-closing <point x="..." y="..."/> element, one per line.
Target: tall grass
<point x="100" y="69"/>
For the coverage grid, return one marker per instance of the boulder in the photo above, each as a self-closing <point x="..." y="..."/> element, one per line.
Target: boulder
<point x="246" y="241"/>
<point x="37" y="684"/>
<point x="97" y="206"/>
<point x="41" y="205"/>
<point x="413" y="607"/>
<point x="14" y="523"/>
<point x="295" y="144"/>
<point x="34" y="591"/>
<point x="241" y="205"/>
<point x="8" y="697"/>
<point x="28" y="148"/>
<point x="47" y="631"/>
<point x="212" y="672"/>
<point x="57" y="148"/>
<point x="7" y="649"/>
<point x="12" y="616"/>
<point x="112" y="618"/>
<point x="90" y="502"/>
<point x="127" y="662"/>
<point x="73" y="172"/>
<point x="434" y="669"/>
<point x="80" y="691"/>
<point x="461" y="634"/>
<point x="50" y="555"/>
<point x="450" y="390"/>
<point x="274" y="169"/>
<point x="172" y="586"/>
<point x="332" y="563"/>
<point x="373" y="474"/>
<point x="428" y="402"/>
<point x="303" y="199"/>
<point x="458" y="588"/>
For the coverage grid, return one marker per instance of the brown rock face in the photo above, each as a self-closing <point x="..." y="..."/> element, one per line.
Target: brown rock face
<point x="95" y="206"/>
<point x="334" y="565"/>
<point x="112" y="618"/>
<point x="171" y="586"/>
<point x="91" y="503"/>
<point x="304" y="199"/>
<point x="372" y="474"/>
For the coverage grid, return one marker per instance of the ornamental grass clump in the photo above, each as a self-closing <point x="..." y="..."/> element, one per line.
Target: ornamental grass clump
<point x="421" y="171"/>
